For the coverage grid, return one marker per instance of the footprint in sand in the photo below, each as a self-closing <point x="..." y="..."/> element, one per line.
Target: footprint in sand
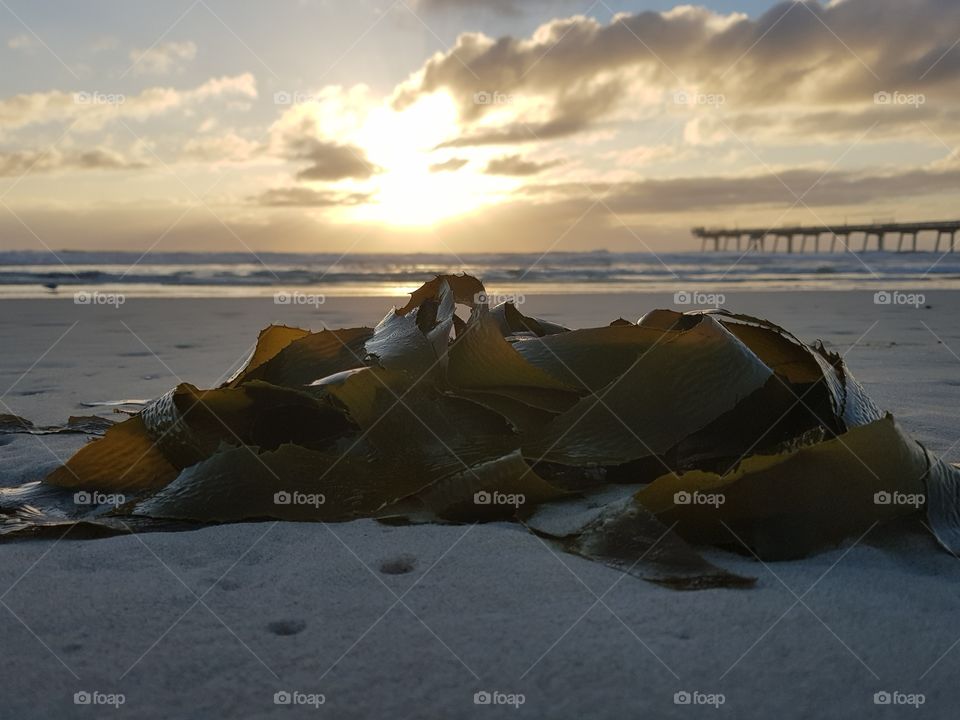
<point x="286" y="627"/>
<point x="399" y="565"/>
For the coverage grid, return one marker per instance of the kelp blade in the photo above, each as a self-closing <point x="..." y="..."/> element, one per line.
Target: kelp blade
<point x="803" y="499"/>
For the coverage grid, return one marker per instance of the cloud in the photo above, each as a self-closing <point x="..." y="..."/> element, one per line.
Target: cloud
<point x="571" y="113"/>
<point x="516" y="166"/>
<point x="220" y="148"/>
<point x="104" y="43"/>
<point x="92" y="109"/>
<point x="875" y="123"/>
<point x="503" y="7"/>
<point x="16" y="164"/>
<point x="24" y="42"/>
<point x="450" y="165"/>
<point x="660" y="212"/>
<point x="508" y="7"/>
<point x="328" y="160"/>
<point x="162" y="59"/>
<point x="641" y="155"/>
<point x="317" y="132"/>
<point x="711" y="193"/>
<point x="571" y="73"/>
<point x="302" y="197"/>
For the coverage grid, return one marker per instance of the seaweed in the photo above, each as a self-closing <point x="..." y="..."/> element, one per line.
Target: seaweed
<point x="629" y="444"/>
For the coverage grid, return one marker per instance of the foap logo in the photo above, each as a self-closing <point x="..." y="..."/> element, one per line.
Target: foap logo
<point x="914" y="500"/>
<point x="684" y="497"/>
<point x="484" y="97"/>
<point x="295" y="697"/>
<point x="899" y="98"/>
<point x="95" y="697"/>
<point x="293" y="97"/>
<point x="695" y="297"/>
<point x="98" y="98"/>
<point x="492" y="299"/>
<point x="284" y="297"/>
<point x="895" y="697"/>
<point x="895" y="297"/>
<point x="96" y="297"/>
<point x="484" y="497"/>
<point x="686" y="97"/>
<point x="298" y="498"/>
<point x="496" y="697"/>
<point x="98" y="498"/>
<point x="695" y="697"/>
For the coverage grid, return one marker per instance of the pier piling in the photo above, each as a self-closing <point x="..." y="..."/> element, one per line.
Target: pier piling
<point x="719" y="239"/>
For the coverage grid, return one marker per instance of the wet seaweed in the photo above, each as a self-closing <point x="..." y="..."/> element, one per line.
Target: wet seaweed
<point x="628" y="444"/>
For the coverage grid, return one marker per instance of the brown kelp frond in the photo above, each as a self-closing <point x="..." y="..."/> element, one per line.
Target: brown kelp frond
<point x="626" y="444"/>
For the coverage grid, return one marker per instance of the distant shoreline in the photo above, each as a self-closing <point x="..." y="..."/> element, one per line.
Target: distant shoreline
<point x="44" y="275"/>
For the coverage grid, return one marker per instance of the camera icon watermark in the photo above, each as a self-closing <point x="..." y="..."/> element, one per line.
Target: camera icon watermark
<point x="295" y="697"/>
<point x="95" y="697"/>
<point x="895" y="697"/>
<point x="695" y="697"/>
<point x="899" y="499"/>
<point x="899" y="98"/>
<point x="85" y="497"/>
<point x="293" y="97"/>
<point x="895" y="297"/>
<point x="496" y="697"/>
<point x="687" y="97"/>
<point x="287" y="297"/>
<point x="685" y="497"/>
<point x="493" y="299"/>
<point x="702" y="299"/>
<point x="485" y="97"/>
<point x="299" y="498"/>
<point x="485" y="497"/>
<point x="95" y="297"/>
<point x="98" y="98"/>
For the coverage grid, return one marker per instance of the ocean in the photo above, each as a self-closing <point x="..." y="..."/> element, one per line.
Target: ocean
<point x="28" y="274"/>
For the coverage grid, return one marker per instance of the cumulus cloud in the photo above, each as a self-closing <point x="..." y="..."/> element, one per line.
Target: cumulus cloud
<point x="874" y="123"/>
<point x="162" y="59"/>
<point x="328" y="160"/>
<point x="630" y="88"/>
<point x="301" y="197"/>
<point x="798" y="54"/>
<point x="816" y="188"/>
<point x="450" y="165"/>
<point x="317" y="134"/>
<point x="572" y="112"/>
<point x="15" y="164"/>
<point x="518" y="167"/>
<point x="92" y="109"/>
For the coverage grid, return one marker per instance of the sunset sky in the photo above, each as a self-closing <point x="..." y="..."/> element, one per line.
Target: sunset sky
<point x="484" y="125"/>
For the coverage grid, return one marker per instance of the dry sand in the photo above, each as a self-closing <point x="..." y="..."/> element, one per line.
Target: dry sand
<point x="412" y="622"/>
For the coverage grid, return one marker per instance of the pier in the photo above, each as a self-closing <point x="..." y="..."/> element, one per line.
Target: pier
<point x="872" y="236"/>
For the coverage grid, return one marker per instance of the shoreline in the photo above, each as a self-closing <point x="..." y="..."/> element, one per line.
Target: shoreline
<point x="67" y="292"/>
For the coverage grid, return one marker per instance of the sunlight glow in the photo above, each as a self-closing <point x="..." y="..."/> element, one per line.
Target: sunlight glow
<point x="407" y="192"/>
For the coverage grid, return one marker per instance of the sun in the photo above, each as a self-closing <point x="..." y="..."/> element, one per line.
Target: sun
<point x="406" y="192"/>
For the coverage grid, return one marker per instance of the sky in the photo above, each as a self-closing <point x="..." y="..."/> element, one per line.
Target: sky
<point x="468" y="125"/>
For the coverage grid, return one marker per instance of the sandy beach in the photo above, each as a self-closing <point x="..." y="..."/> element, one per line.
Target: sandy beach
<point x="411" y="622"/>
<point x="667" y="515"/>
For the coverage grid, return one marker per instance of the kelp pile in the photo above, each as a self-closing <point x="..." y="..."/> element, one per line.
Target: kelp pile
<point x="627" y="444"/>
